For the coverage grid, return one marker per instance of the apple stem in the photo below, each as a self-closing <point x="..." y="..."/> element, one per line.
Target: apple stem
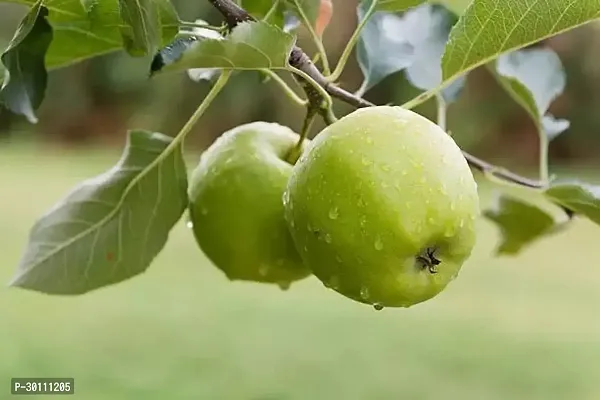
<point x="294" y="154"/>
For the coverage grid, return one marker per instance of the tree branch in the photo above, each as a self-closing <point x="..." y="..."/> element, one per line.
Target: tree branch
<point x="235" y="14"/>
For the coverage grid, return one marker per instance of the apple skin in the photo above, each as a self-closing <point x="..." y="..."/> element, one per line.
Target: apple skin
<point x="236" y="206"/>
<point x="373" y="192"/>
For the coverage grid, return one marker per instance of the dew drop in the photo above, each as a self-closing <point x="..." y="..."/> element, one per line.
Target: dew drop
<point x="378" y="244"/>
<point x="334" y="282"/>
<point x="385" y="167"/>
<point x="189" y="224"/>
<point x="431" y="220"/>
<point x="263" y="270"/>
<point x="404" y="173"/>
<point x="333" y="213"/>
<point x="363" y="221"/>
<point x="452" y="206"/>
<point x="369" y="140"/>
<point x="366" y="162"/>
<point x="292" y="224"/>
<point x="377" y="306"/>
<point x="461" y="223"/>
<point x="338" y="259"/>
<point x="328" y="238"/>
<point x="204" y="211"/>
<point x="284" y="285"/>
<point x="364" y="293"/>
<point x="384" y="185"/>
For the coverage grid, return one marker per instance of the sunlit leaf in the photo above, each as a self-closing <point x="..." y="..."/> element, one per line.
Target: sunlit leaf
<point x="250" y="46"/>
<point x="24" y="88"/>
<point x="489" y="28"/>
<point x="203" y="74"/>
<point x="521" y="223"/>
<point x="580" y="197"/>
<point x="395" y="5"/>
<point x="109" y="228"/>
<point x="141" y="31"/>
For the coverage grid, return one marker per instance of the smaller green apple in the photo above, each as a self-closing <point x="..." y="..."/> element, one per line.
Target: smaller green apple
<point x="236" y="207"/>
<point x="382" y="207"/>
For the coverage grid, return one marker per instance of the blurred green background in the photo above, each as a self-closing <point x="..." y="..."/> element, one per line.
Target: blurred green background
<point x="508" y="328"/>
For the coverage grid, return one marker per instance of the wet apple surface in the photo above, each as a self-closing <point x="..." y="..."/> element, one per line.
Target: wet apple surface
<point x="382" y="207"/>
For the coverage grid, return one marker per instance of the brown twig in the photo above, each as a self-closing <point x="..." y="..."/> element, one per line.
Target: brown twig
<point x="235" y="14"/>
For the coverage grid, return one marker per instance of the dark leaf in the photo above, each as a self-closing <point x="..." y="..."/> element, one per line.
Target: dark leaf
<point x="413" y="42"/>
<point x="534" y="78"/>
<point x="582" y="198"/>
<point x="26" y="76"/>
<point x="84" y="29"/>
<point x="521" y="224"/>
<point x="109" y="228"/>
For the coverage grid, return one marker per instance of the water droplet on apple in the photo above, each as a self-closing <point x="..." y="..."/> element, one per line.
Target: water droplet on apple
<point x="377" y="306"/>
<point x="384" y="185"/>
<point x="334" y="282"/>
<point x="378" y="244"/>
<point x="369" y="140"/>
<point x="263" y="270"/>
<point x="364" y="293"/>
<point x="385" y="167"/>
<point x="366" y="162"/>
<point x="204" y="211"/>
<point x="333" y="213"/>
<point x="284" y="285"/>
<point x="461" y="223"/>
<point x="404" y="173"/>
<point x="292" y="223"/>
<point x="189" y="224"/>
<point x="452" y="206"/>
<point x="363" y="221"/>
<point x="328" y="238"/>
<point x="431" y="220"/>
<point x="338" y="259"/>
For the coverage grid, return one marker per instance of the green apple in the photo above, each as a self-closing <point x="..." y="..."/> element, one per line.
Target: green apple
<point x="382" y="206"/>
<point x="236" y="207"/>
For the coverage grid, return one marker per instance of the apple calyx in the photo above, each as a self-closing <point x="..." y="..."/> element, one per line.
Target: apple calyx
<point x="428" y="260"/>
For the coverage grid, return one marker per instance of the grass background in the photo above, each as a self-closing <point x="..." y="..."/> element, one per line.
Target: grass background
<point x="508" y="328"/>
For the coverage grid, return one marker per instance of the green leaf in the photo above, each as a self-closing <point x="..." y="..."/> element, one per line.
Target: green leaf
<point x="109" y="228"/>
<point x="534" y="78"/>
<point x="310" y="8"/>
<point x="26" y="76"/>
<point x="396" y="5"/>
<point x="456" y="6"/>
<point x="85" y="29"/>
<point x="582" y="198"/>
<point x="521" y="224"/>
<point x="142" y="31"/>
<point x="489" y="28"/>
<point x="250" y="46"/>
<point x="413" y="42"/>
